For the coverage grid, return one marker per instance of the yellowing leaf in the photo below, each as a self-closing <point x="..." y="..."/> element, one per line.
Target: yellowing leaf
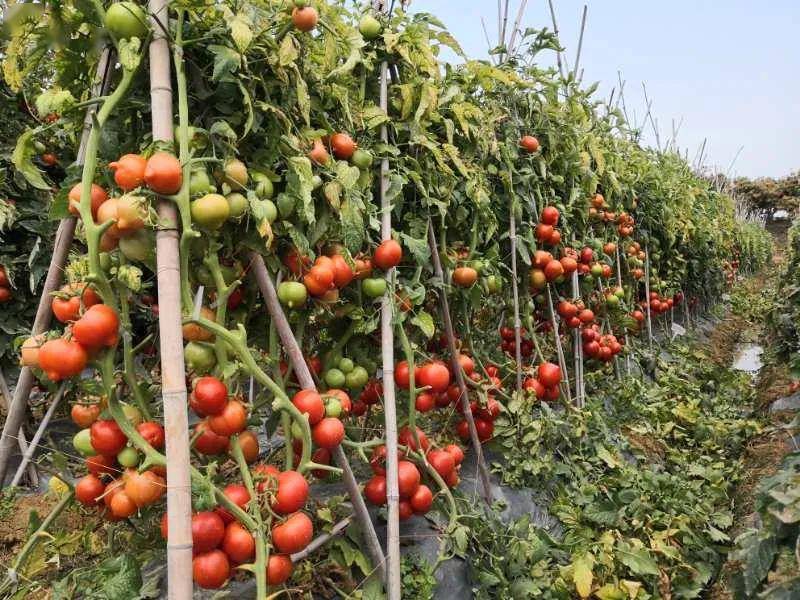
<point x="582" y="575"/>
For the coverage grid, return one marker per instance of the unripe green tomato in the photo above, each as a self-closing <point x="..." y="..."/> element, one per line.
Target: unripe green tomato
<point x="346" y="365"/>
<point x="316" y="181"/>
<point x="612" y="301"/>
<point x="133" y="414"/>
<point x="235" y="174"/>
<point x="477" y="265"/>
<point x="540" y="299"/>
<point x="126" y="20"/>
<point x="264" y="188"/>
<point x="370" y="365"/>
<point x="493" y="284"/>
<point x="128" y="457"/>
<point x="139" y="247"/>
<point x="373" y="287"/>
<point x="210" y="211"/>
<point x="82" y="442"/>
<point x="333" y="408"/>
<point x="369" y="27"/>
<point x="362" y="159"/>
<point x="334" y="378"/>
<point x="331" y="359"/>
<point x="292" y="294"/>
<point x="357" y="378"/>
<point x="105" y="258"/>
<point x="238" y="205"/>
<point x="301" y="3"/>
<point x="199" y="357"/>
<point x="619" y="293"/>
<point x="597" y="270"/>
<point x="270" y="210"/>
<point x="200" y="183"/>
<point x="285" y="205"/>
<point x="297" y="431"/>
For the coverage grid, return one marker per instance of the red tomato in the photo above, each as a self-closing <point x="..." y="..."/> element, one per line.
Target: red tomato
<point x="238" y="543"/>
<point x="552" y="393"/>
<point x="408" y="478"/>
<point x="107" y="438"/>
<point x="405" y="437"/>
<point x="343" y="146"/>
<point x="232" y="419"/>
<point x="89" y="489"/>
<point x="144" y="488"/>
<point x="343" y="274"/>
<point x="485" y="429"/>
<point x="152" y="432"/>
<point x="99" y="464"/>
<point x="378" y="460"/>
<point x="549" y="215"/>
<point x="211" y="570"/>
<point x="456" y="452"/>
<point x="294" y="534"/>
<point x="236" y="493"/>
<point x="388" y="255"/>
<point x="401" y="376"/>
<point x="422" y="500"/>
<point x="279" y="569"/>
<point x="434" y="375"/>
<point x="129" y="171"/>
<point x="328" y="433"/>
<point x="549" y="374"/>
<point x="208" y="442"/>
<point x="207" y="531"/>
<point x="406" y="511"/>
<point x="375" y="490"/>
<point x="61" y="359"/>
<point x="442" y="462"/>
<point x="83" y="415"/>
<point x="467" y="364"/>
<point x="425" y="402"/>
<point x="209" y="396"/>
<point x="248" y="442"/>
<point x="310" y="402"/>
<point x="292" y="493"/>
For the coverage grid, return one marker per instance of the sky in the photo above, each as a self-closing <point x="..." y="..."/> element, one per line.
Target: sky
<point x="730" y="69"/>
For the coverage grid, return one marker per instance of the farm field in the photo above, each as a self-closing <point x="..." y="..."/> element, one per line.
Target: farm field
<point x="291" y="307"/>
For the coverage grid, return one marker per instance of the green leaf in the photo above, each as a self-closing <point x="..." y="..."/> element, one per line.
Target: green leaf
<point x="756" y="551"/>
<point x="638" y="560"/>
<point x="226" y="61"/>
<point x="287" y="53"/>
<point x="21" y="157"/>
<point x="54" y="100"/>
<point x="123" y="577"/>
<point x="352" y="226"/>
<point x="241" y="33"/>
<point x="424" y="321"/>
<point x="418" y="248"/>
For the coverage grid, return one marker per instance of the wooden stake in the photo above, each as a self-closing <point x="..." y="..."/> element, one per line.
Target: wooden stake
<point x="580" y="391"/>
<point x="512" y="228"/>
<point x="580" y="42"/>
<point x="61" y="246"/>
<point x="555" y="32"/>
<point x="559" y="348"/>
<point x="647" y="295"/>
<point x="444" y="305"/>
<point x="306" y="380"/>
<point x="22" y="440"/>
<point x="28" y="454"/>
<point x="173" y="373"/>
<point x="517" y="24"/>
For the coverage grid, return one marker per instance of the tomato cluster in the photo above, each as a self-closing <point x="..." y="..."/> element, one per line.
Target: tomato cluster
<point x="5" y="286"/>
<point x="603" y="347"/>
<point x="545" y="384"/>
<point x="658" y="304"/>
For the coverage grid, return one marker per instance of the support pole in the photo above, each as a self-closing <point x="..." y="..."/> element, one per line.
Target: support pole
<point x="5" y="397"/>
<point x="61" y="246"/>
<point x="512" y="228"/>
<point x="482" y="471"/>
<point x="304" y="377"/>
<point x="580" y="391"/>
<point x="647" y="295"/>
<point x="173" y="376"/>
<point x="562" y="363"/>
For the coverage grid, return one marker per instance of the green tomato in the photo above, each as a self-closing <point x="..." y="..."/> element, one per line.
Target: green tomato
<point x="334" y="378"/>
<point x="238" y="204"/>
<point x="540" y="299"/>
<point x="200" y="183"/>
<point x="297" y="431"/>
<point x="316" y="181"/>
<point x="357" y="378"/>
<point x="199" y="357"/>
<point x="331" y="359"/>
<point x="619" y="293"/>
<point x="210" y="211"/>
<point x="264" y="188"/>
<point x="292" y="294"/>
<point x="597" y="270"/>
<point x="477" y="265"/>
<point x="285" y="205"/>
<point x="362" y="159"/>
<point x="270" y="210"/>
<point x="370" y="365"/>
<point x="493" y="284"/>
<point x="82" y="442"/>
<point x="133" y="414"/>
<point x="374" y="287"/>
<point x="139" y="247"/>
<point x="126" y="20"/>
<point x="333" y="408"/>
<point x="128" y="457"/>
<point x="346" y="365"/>
<point x="612" y="301"/>
<point x="235" y="174"/>
<point x="369" y="27"/>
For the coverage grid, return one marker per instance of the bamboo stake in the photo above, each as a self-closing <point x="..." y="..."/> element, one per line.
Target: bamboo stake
<point x="647" y="296"/>
<point x="580" y="391"/>
<point x="393" y="579"/>
<point x="580" y="42"/>
<point x="624" y="335"/>
<point x="562" y="363"/>
<point x="22" y="440"/>
<point x="306" y="380"/>
<point x="555" y="32"/>
<point x="517" y="23"/>
<point x="173" y="376"/>
<point x="512" y="228"/>
<point x="444" y="305"/>
<point x="61" y="246"/>
<point x="321" y="540"/>
<point x="26" y="457"/>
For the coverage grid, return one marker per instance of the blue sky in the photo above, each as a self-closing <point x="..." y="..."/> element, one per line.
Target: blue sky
<point x="730" y="69"/>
